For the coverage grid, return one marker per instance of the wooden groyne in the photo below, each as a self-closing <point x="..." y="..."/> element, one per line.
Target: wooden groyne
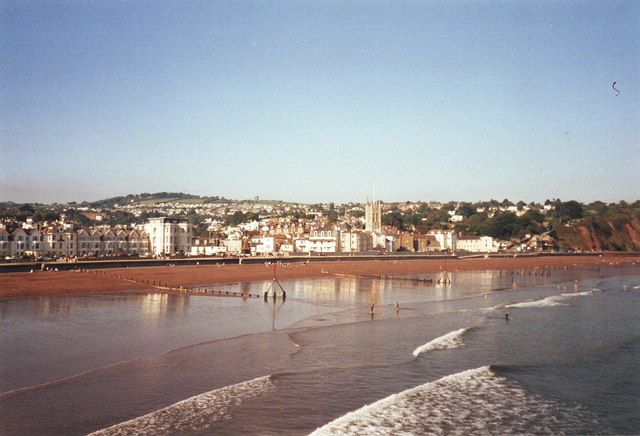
<point x="164" y="286"/>
<point x="385" y="277"/>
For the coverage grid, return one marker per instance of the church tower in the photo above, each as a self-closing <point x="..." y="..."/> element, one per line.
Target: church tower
<point x="373" y="216"/>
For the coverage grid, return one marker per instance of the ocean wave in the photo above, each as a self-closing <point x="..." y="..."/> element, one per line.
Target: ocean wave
<point x="450" y="340"/>
<point x="194" y="414"/>
<point x="578" y="294"/>
<point x="554" y="300"/>
<point x="476" y="401"/>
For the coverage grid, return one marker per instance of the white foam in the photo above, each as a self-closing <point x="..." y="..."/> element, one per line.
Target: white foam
<point x="475" y="401"/>
<point x="444" y="342"/>
<point x="554" y="300"/>
<point x="194" y="414"/>
<point x="577" y="294"/>
<point x="367" y="419"/>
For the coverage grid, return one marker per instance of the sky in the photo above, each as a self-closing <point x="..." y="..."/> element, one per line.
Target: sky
<point x="320" y="101"/>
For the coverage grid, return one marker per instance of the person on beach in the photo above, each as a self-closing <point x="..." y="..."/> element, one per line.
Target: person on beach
<point x="372" y="310"/>
<point x="397" y="306"/>
<point x="507" y="317"/>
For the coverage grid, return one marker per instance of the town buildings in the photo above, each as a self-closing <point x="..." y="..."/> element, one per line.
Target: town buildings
<point x="168" y="235"/>
<point x="309" y="233"/>
<point x="477" y="244"/>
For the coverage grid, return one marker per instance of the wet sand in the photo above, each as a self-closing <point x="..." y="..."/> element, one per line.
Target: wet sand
<point x="120" y="280"/>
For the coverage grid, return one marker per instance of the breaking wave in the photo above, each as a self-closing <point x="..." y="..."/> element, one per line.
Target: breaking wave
<point x="450" y="340"/>
<point x="475" y="401"/>
<point x="554" y="300"/>
<point x="194" y="414"/>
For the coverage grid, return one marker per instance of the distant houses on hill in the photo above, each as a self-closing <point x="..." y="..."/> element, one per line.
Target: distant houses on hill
<point x="161" y="236"/>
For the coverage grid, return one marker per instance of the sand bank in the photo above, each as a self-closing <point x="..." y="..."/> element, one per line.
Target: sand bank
<point x="122" y="280"/>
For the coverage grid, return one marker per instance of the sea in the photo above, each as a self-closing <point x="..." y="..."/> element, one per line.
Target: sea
<point x="431" y="354"/>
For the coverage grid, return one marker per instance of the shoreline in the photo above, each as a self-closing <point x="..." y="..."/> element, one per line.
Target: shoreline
<point x="91" y="282"/>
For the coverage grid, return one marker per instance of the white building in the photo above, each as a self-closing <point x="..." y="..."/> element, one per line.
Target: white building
<point x="60" y="242"/>
<point x="477" y="244"/>
<point x="35" y="242"/>
<point x="446" y="238"/>
<point x="5" y="242"/>
<point x="263" y="245"/>
<point x="19" y="244"/>
<point x="233" y="246"/>
<point x="384" y="240"/>
<point x="138" y="242"/>
<point x="324" y="239"/>
<point x="168" y="235"/>
<point x="354" y="241"/>
<point x="207" y="247"/>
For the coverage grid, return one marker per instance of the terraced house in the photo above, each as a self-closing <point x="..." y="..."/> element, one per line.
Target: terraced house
<point x="57" y="241"/>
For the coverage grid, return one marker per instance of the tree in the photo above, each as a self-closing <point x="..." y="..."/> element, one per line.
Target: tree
<point x="435" y="217"/>
<point x="500" y="226"/>
<point x="393" y="218"/>
<point x="506" y="203"/>
<point x="27" y="209"/>
<point x="48" y="215"/>
<point x="201" y="230"/>
<point x="235" y="219"/>
<point x="597" y="208"/>
<point x="121" y="217"/>
<point x="410" y="220"/>
<point x="535" y="215"/>
<point x="423" y="209"/>
<point x="449" y="206"/>
<point x="466" y="210"/>
<point x="569" y="210"/>
<point x="332" y="216"/>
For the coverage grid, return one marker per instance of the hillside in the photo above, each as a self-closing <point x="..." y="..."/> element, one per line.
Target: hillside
<point x="615" y="233"/>
<point x="159" y="197"/>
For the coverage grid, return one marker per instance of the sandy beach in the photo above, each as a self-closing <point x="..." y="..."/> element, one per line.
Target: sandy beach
<point x="119" y="280"/>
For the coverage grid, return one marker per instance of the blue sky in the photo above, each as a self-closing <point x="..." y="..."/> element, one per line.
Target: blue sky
<point x="320" y="101"/>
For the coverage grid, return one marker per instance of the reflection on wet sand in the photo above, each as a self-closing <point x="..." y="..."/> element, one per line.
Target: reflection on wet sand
<point x="159" y="304"/>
